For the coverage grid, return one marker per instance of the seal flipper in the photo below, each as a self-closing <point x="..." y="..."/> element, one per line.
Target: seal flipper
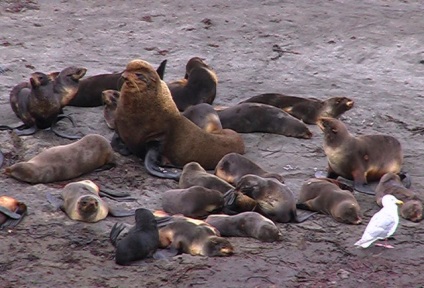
<point x="114" y="233"/>
<point x="1" y="158"/>
<point x="117" y="196"/>
<point x="302" y="218"/>
<point x="404" y="177"/>
<point x="60" y="134"/>
<point x="12" y="222"/>
<point x="26" y="131"/>
<point x="151" y="163"/>
<point x="18" y="126"/>
<point x="303" y="206"/>
<point x="119" y="146"/>
<point x="9" y="213"/>
<point x="120" y="213"/>
<point x="55" y="201"/>
<point x="165" y="253"/>
<point x="164" y="220"/>
<point x="161" y="69"/>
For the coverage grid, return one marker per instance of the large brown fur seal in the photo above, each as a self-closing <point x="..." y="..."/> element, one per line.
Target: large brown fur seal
<point x="246" y="224"/>
<point x="146" y="113"/>
<point x="309" y="110"/>
<point x="412" y="208"/>
<point x="256" y="117"/>
<point x="363" y="158"/>
<point x="326" y="196"/>
<point x="195" y="237"/>
<point x="12" y="212"/>
<point x="90" y="89"/>
<point x="194" y="202"/>
<point x="233" y="166"/>
<point x="198" y="85"/>
<point x="141" y="242"/>
<point x="194" y="175"/>
<point x="65" y="162"/>
<point x="274" y="199"/>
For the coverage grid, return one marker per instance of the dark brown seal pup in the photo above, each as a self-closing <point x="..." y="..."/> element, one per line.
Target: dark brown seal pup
<point x="146" y="113"/>
<point x="274" y="199"/>
<point x="65" y="162"/>
<point x="193" y="237"/>
<point x="11" y="212"/>
<point x="363" y="158"/>
<point x="90" y="89"/>
<point x="110" y="100"/>
<point x="194" y="202"/>
<point x="309" y="110"/>
<point x="412" y="208"/>
<point x="204" y="116"/>
<point x="256" y="117"/>
<point x="194" y="175"/>
<point x="141" y="242"/>
<point x="325" y="196"/>
<point x="246" y="224"/>
<point x="233" y="166"/>
<point x="198" y="86"/>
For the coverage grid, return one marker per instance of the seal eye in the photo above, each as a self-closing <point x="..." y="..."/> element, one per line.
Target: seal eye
<point x="141" y="77"/>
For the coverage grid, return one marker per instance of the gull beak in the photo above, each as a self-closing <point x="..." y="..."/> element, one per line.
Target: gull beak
<point x="399" y="202"/>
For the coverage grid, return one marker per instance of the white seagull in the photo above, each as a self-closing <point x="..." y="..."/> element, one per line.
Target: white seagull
<point x="383" y="224"/>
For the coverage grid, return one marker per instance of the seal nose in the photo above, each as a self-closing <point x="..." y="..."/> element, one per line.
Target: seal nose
<point x="350" y="103"/>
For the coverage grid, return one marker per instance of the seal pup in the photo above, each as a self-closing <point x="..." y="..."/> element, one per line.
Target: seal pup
<point x="90" y="88"/>
<point x="65" y="162"/>
<point x="198" y="85"/>
<point x="363" y="159"/>
<point x="274" y="199"/>
<point x="326" y="196"/>
<point x="390" y="183"/>
<point x="141" y="242"/>
<point x="309" y="110"/>
<point x="256" y="117"/>
<point x="194" y="237"/>
<point x="12" y="212"/>
<point x="81" y="202"/>
<point x="39" y="104"/>
<point x="233" y="166"/>
<point x="204" y="116"/>
<point x="195" y="175"/>
<point x="146" y="113"/>
<point x="382" y="224"/>
<point x="194" y="202"/>
<point x="246" y="224"/>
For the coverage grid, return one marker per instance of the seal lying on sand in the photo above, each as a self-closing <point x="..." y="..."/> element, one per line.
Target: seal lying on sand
<point x="141" y="242"/>
<point x="147" y="113"/>
<point x="309" y="110"/>
<point x="233" y="166"/>
<point x="412" y="208"/>
<point x="363" y="158"/>
<point x="82" y="202"/>
<point x="198" y="85"/>
<point x="11" y="212"/>
<point x="327" y="196"/>
<point x="65" y="162"/>
<point x="246" y="224"/>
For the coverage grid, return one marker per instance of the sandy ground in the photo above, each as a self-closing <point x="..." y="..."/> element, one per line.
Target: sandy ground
<point x="370" y="51"/>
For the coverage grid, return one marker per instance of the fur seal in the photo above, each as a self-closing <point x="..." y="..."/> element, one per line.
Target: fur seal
<point x="257" y="117"/>
<point x="194" y="202"/>
<point x="246" y="224"/>
<point x="274" y="199"/>
<point x="11" y="212"/>
<point x="193" y="237"/>
<point x="326" y="196"/>
<point x="198" y="85"/>
<point x="412" y="208"/>
<point x="363" y="158"/>
<point x="65" y="162"/>
<point x="194" y="175"/>
<point x="204" y="116"/>
<point x="141" y="242"/>
<point x="233" y="166"/>
<point x="309" y="110"/>
<point x="90" y="89"/>
<point x="146" y="113"/>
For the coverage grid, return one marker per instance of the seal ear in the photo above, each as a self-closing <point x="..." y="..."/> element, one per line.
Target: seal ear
<point x="34" y="82"/>
<point x="52" y="76"/>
